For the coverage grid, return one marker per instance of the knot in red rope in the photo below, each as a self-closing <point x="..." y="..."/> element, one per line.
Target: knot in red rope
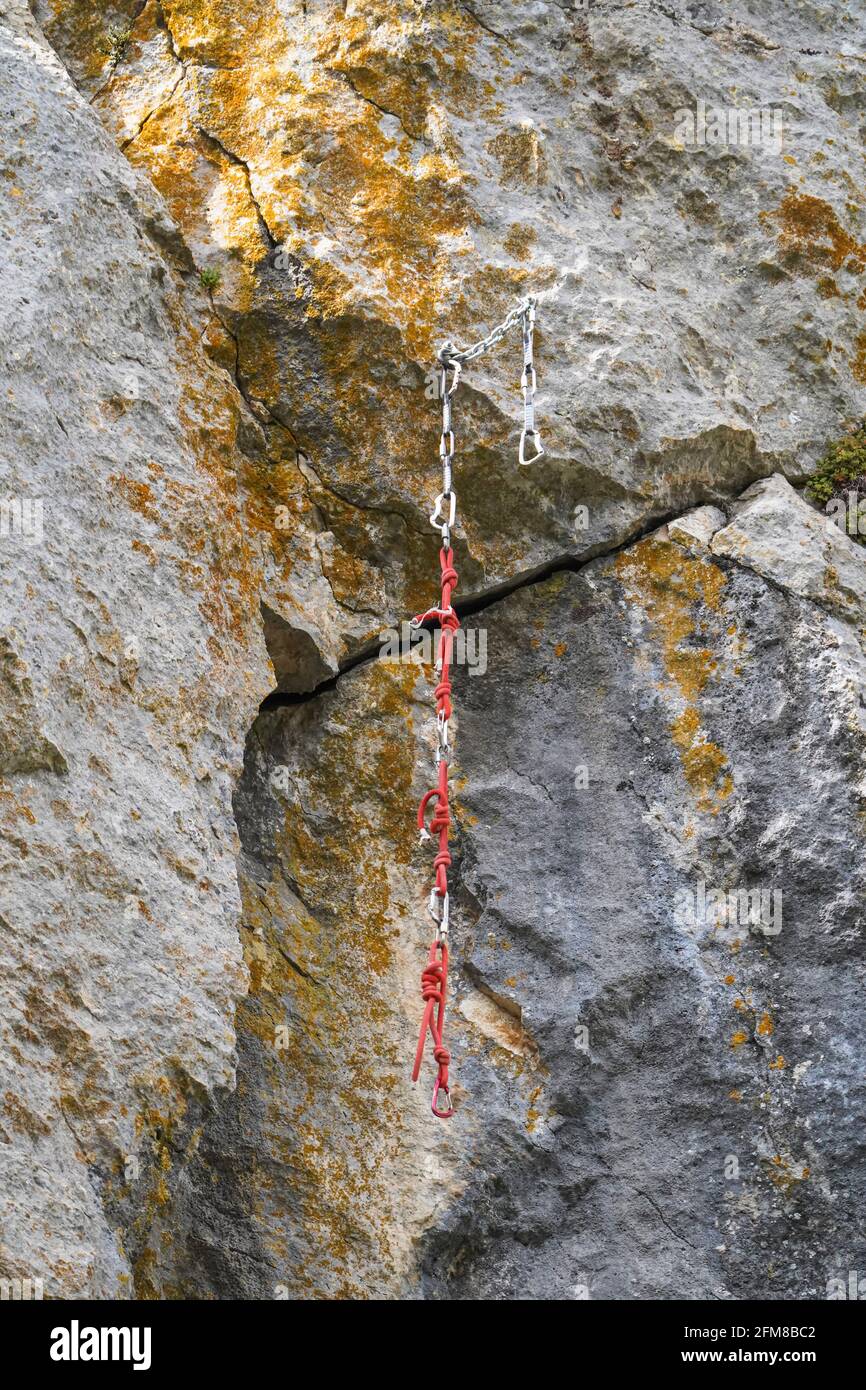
<point x="449" y="573"/>
<point x="441" y="865"/>
<point x="443" y="693"/>
<point x="434" y="988"/>
<point x="448" y="620"/>
<point x="431" y="983"/>
<point x="441" y="818"/>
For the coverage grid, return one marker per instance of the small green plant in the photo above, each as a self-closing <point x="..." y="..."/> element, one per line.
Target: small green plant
<point x="210" y="278"/>
<point x="842" y="467"/>
<point x="116" y="40"/>
<point x="838" y="484"/>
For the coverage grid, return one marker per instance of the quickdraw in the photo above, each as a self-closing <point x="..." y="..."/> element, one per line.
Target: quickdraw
<point x="434" y="978"/>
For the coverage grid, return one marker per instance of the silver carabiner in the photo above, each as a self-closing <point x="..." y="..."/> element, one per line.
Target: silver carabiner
<point x="434" y="1104"/>
<point x="437" y="516"/>
<point x="449" y="363"/>
<point x="536" y="444"/>
<point x="443" y="747"/>
<point x="440" y="910"/>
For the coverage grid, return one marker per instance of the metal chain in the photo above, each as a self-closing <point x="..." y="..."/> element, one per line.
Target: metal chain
<point x="447" y="497"/>
<point x="528" y="384"/>
<point x="449" y="353"/>
<point x="434" y="979"/>
<point x="451" y="359"/>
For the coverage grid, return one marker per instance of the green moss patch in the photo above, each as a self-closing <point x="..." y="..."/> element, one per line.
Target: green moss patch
<point x="842" y="470"/>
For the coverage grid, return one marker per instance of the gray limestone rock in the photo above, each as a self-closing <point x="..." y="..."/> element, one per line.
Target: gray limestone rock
<point x="217" y="485"/>
<point x="131" y="664"/>
<point x="657" y="961"/>
<point x="696" y="529"/>
<point x="777" y="533"/>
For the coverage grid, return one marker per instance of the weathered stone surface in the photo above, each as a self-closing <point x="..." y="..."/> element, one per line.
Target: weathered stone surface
<point x="720" y="720"/>
<point x="132" y="660"/>
<point x="322" y="1171"/>
<point x="373" y="177"/>
<point x="653" y="1102"/>
<point x="696" y="529"/>
<point x="778" y="534"/>
<point x="240" y="468"/>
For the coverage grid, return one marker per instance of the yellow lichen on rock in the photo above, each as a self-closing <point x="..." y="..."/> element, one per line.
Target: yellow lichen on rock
<point x="334" y="1001"/>
<point x="679" y="594"/>
<point x="259" y="137"/>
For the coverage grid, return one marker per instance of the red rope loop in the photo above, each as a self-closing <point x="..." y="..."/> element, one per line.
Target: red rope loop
<point x="442" y="695"/>
<point x="449" y="573"/>
<point x="431" y="983"/>
<point x="434" y="989"/>
<point x="422" y="808"/>
<point x="448" y="619"/>
<point x="434" y="978"/>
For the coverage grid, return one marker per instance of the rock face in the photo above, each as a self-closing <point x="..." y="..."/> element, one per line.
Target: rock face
<point x="690" y="1129"/>
<point x="217" y="487"/>
<point x="656" y="1028"/>
<point x="132" y="659"/>
<point x="370" y="178"/>
<point x="776" y="533"/>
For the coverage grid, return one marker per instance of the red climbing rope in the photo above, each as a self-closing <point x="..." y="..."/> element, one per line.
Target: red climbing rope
<point x="434" y="985"/>
<point x="434" y="979"/>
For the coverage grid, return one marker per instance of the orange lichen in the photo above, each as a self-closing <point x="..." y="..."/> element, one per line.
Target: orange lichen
<point x="519" y="241"/>
<point x="144" y="549"/>
<point x="138" y="495"/>
<point x="22" y="1118"/>
<point x="827" y="287"/>
<point x="811" y="234"/>
<point x="783" y="1172"/>
<point x="338" y="164"/>
<point x="672" y="588"/>
<point x="809" y="226"/>
<point x="521" y="156"/>
<point x="703" y="762"/>
<point x="533" y="1114"/>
